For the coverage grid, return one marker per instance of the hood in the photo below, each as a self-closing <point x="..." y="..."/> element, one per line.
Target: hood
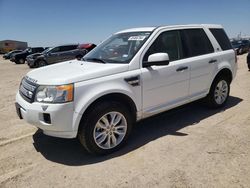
<point x="34" y="55"/>
<point x="74" y="71"/>
<point x="20" y="53"/>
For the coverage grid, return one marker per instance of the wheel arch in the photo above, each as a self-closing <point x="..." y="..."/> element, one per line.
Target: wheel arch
<point x="114" y="96"/>
<point x="224" y="72"/>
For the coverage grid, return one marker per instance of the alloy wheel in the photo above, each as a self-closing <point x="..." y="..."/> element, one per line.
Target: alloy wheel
<point x="110" y="130"/>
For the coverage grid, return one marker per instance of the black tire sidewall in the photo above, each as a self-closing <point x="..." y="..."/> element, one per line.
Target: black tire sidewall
<point x="39" y="63"/>
<point x="87" y="126"/>
<point x="21" y="61"/>
<point x="211" y="97"/>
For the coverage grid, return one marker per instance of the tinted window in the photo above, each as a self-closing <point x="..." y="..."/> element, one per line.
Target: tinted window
<point x="196" y="42"/>
<point x="54" y="50"/>
<point x="37" y="49"/>
<point x="221" y="38"/>
<point x="68" y="48"/>
<point x="167" y="42"/>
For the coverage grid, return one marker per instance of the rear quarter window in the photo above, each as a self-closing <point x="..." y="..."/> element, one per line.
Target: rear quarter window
<point x="221" y="37"/>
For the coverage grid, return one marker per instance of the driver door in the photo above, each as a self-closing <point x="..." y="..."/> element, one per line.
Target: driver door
<point x="165" y="86"/>
<point x="53" y="55"/>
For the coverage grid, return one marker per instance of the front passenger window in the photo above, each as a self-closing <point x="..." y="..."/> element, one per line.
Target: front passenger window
<point x="167" y="42"/>
<point x="54" y="50"/>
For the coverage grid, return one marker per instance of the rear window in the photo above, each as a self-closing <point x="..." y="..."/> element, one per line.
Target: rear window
<point x="196" y="42"/>
<point x="221" y="38"/>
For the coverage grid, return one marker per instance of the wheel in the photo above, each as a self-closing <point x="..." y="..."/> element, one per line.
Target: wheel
<point x="218" y="93"/>
<point x="32" y="66"/>
<point x="105" y="127"/>
<point x="20" y="61"/>
<point x="79" y="57"/>
<point x="41" y="63"/>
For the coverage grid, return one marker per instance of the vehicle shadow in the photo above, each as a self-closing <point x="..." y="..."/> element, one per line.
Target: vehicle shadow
<point x="70" y="152"/>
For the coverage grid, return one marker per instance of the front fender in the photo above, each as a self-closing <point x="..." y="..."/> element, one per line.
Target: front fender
<point x="86" y="94"/>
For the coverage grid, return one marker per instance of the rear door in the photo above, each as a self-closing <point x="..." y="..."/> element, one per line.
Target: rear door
<point x="202" y="58"/>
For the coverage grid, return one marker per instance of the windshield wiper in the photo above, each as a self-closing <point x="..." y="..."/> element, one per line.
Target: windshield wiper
<point x="95" y="59"/>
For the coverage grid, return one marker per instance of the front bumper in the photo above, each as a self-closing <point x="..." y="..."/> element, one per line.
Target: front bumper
<point x="54" y="119"/>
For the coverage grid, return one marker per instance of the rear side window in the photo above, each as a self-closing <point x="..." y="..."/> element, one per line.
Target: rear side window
<point x="221" y="38"/>
<point x="55" y="50"/>
<point x="195" y="42"/>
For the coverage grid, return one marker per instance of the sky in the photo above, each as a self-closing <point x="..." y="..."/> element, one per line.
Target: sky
<point x="55" y="22"/>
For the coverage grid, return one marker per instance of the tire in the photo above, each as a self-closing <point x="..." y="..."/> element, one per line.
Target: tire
<point x="20" y="61"/>
<point x="32" y="66"/>
<point x="219" y="92"/>
<point x="41" y="63"/>
<point x="98" y="134"/>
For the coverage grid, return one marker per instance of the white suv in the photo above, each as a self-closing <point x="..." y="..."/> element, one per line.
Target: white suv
<point x="134" y="74"/>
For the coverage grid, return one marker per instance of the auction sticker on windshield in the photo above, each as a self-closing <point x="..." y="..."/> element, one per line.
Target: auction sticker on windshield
<point x="137" y="37"/>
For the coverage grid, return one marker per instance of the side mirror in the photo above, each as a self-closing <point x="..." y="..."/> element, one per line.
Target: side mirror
<point x="157" y="59"/>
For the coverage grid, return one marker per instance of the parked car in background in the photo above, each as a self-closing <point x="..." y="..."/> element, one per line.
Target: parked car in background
<point x="9" y="54"/>
<point x="241" y="46"/>
<point x="19" y="58"/>
<point x="248" y="60"/>
<point x="58" y="54"/>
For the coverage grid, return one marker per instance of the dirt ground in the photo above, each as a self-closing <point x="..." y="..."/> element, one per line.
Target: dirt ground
<point x="191" y="146"/>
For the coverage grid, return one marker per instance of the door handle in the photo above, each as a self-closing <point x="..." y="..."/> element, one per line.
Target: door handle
<point x="181" y="69"/>
<point x="212" y="61"/>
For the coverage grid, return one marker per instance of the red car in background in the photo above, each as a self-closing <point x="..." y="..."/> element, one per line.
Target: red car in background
<point x="87" y="46"/>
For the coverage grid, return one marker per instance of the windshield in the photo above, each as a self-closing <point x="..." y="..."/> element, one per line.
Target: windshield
<point x="45" y="51"/>
<point x="119" y="48"/>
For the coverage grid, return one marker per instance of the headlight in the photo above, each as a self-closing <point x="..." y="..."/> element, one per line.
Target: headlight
<point x="55" y="94"/>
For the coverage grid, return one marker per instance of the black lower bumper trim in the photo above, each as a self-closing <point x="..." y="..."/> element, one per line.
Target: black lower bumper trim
<point x="18" y="110"/>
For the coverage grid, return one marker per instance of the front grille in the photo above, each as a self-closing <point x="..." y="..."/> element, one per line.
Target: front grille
<point x="27" y="90"/>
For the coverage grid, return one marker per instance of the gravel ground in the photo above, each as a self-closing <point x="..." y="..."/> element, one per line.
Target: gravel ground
<point x="190" y="146"/>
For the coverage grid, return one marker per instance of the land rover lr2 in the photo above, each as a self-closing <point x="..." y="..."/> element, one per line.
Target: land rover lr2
<point x="134" y="74"/>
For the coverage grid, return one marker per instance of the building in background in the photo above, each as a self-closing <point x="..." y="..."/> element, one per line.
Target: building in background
<point x="8" y="45"/>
